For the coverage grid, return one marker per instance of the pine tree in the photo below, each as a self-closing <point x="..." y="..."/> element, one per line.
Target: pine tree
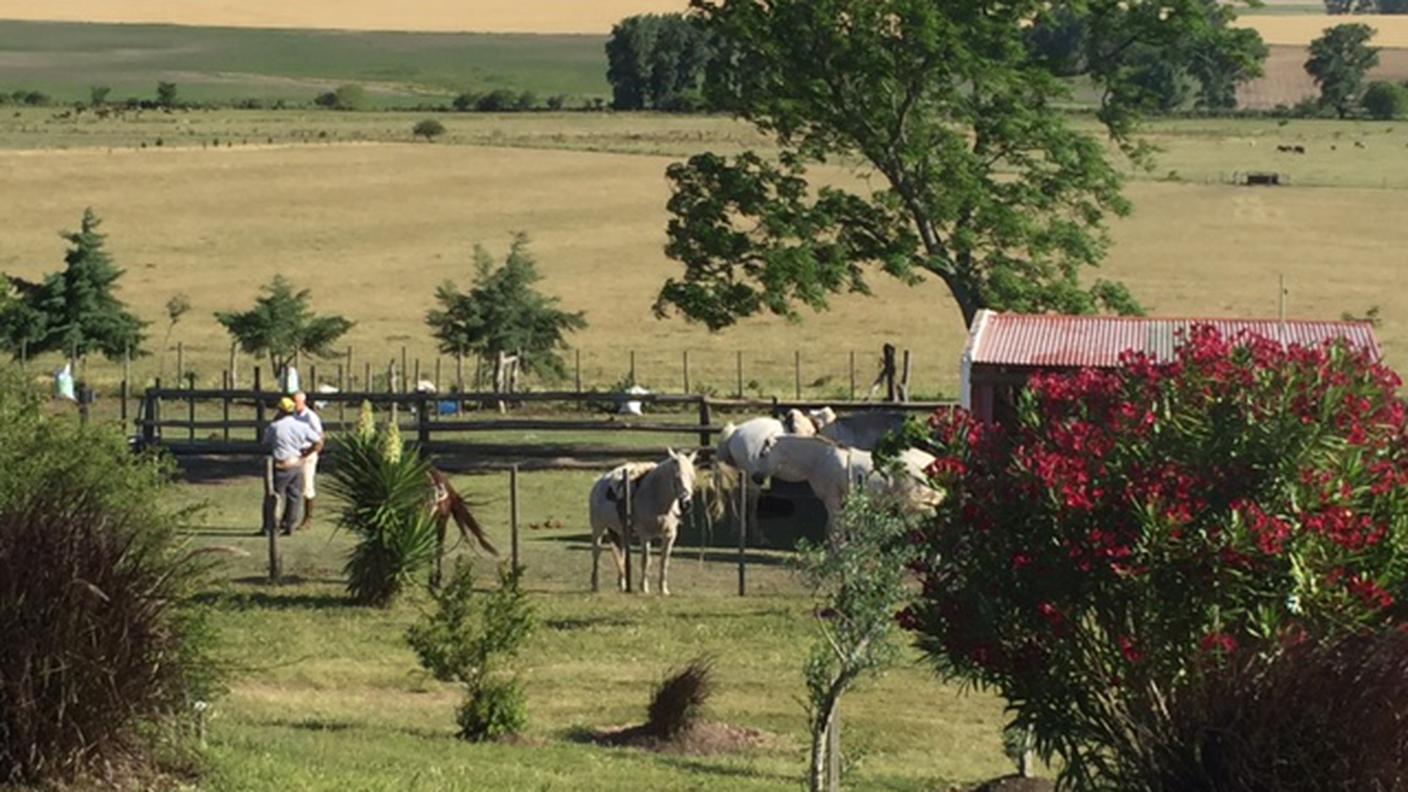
<point x="80" y="312"/>
<point x="282" y="324"/>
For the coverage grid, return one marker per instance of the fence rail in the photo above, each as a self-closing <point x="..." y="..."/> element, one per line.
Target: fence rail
<point x="173" y="419"/>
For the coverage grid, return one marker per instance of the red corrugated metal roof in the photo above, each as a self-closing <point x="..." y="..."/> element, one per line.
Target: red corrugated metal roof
<point x="1048" y="340"/>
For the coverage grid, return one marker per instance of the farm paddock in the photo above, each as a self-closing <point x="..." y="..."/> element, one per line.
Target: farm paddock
<point x="329" y="697"/>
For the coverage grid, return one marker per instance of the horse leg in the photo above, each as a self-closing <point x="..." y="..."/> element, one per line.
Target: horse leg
<point x="667" y="544"/>
<point x="596" y="560"/>
<point x="620" y="559"/>
<point x="645" y="566"/>
<point x="437" y="574"/>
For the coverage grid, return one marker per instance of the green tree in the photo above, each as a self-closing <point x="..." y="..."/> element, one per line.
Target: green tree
<point x="20" y="324"/>
<point x="1340" y="60"/>
<point x="504" y="313"/>
<point x="428" y="128"/>
<point x="78" y="310"/>
<point x="657" y="61"/>
<point x="282" y="324"/>
<point x="1385" y="100"/>
<point x="98" y="95"/>
<point x="349" y="96"/>
<point x="981" y="180"/>
<point x="166" y="94"/>
<point x="858" y="581"/>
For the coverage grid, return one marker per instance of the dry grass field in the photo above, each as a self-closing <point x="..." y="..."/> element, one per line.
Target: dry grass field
<point x="1296" y="29"/>
<point x="373" y="227"/>
<point x="488" y="16"/>
<point x="1285" y="81"/>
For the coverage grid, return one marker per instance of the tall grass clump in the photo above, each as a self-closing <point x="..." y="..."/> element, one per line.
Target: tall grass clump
<point x="100" y="647"/>
<point x="383" y="494"/>
<point x="679" y="700"/>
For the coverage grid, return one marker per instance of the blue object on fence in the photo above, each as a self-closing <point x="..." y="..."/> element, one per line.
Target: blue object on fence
<point x="448" y="408"/>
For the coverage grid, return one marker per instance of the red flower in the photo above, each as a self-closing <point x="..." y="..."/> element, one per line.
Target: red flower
<point x="1219" y="642"/>
<point x="1127" y="648"/>
<point x="1370" y="593"/>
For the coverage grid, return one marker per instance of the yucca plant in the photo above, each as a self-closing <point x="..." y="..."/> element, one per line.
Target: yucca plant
<point x="383" y="497"/>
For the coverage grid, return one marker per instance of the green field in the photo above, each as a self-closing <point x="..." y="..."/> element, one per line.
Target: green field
<point x="328" y="697"/>
<point x="224" y="64"/>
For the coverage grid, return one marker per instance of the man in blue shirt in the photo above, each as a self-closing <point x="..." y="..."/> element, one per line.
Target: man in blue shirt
<point x="290" y="442"/>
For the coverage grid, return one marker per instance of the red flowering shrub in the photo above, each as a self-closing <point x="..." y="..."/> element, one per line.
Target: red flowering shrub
<point x="1133" y="525"/>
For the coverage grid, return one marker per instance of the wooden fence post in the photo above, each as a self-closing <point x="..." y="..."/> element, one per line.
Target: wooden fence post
<point x="367" y="376"/>
<point x="686" y="371"/>
<point x="225" y="380"/>
<point x="853" y="375"/>
<point x="415" y="378"/>
<point x="739" y="365"/>
<point x="272" y="501"/>
<point x="437" y="374"/>
<point x="180" y="362"/>
<point x="258" y="404"/>
<point x="797" y="369"/>
<point x="154" y="411"/>
<point x="126" y="387"/>
<point x="404" y="368"/>
<point x="422" y="420"/>
<point x="633" y="367"/>
<point x="191" y="406"/>
<point x="742" y="532"/>
<point x="628" y="522"/>
<point x="513" y="516"/>
<point x="342" y="388"/>
<point x="577" y="356"/>
<point x="904" y="378"/>
<point x="705" y="418"/>
<point x="888" y="371"/>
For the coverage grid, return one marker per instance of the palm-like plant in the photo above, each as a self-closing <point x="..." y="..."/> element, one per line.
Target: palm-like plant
<point x="383" y="501"/>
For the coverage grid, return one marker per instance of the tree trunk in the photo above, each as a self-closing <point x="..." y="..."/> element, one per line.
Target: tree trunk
<point x="824" y="775"/>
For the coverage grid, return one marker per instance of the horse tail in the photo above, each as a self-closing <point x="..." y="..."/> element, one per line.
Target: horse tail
<point x="456" y="507"/>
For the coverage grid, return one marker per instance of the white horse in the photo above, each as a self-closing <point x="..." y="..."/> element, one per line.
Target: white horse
<point x="863" y="430"/>
<point x="740" y="445"/>
<point x="834" y="471"/>
<point x="660" y="492"/>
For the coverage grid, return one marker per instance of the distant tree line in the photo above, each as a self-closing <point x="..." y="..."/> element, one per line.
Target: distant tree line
<point x="1340" y="62"/>
<point x="1366" y="6"/>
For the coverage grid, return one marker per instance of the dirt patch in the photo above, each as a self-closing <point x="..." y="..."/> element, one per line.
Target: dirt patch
<point x="1016" y="784"/>
<point x="702" y="739"/>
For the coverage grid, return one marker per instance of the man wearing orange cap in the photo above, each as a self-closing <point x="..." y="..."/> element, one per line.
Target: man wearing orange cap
<point x="290" y="442"/>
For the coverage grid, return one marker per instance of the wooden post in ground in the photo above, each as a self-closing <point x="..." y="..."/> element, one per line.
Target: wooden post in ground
<point x="180" y="362"/>
<point x="577" y="366"/>
<point x="627" y="523"/>
<point x="904" y="378"/>
<point x="797" y="369"/>
<point x="686" y="371"/>
<point x="742" y="532"/>
<point x="342" y="388"/>
<point x="888" y="372"/>
<point x="234" y="360"/>
<point x="853" y="375"/>
<point x="437" y="374"/>
<point x="705" y="418"/>
<point x="191" y="407"/>
<point x="271" y="519"/>
<point x="513" y="517"/>
<point x="422" y="421"/>
<point x="154" y="411"/>
<point x="126" y="387"/>
<point x="225" y="403"/>
<point x="367" y="376"/>
<point x="739" y="364"/>
<point x="633" y="367"/>
<point x="415" y="378"/>
<point x="258" y="404"/>
<point x="404" y="368"/>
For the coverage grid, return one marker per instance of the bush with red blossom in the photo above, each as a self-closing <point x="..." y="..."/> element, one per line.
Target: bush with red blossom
<point x="1133" y="525"/>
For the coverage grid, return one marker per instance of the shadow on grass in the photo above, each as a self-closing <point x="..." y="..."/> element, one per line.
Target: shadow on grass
<point x="568" y="625"/>
<point x="274" y="599"/>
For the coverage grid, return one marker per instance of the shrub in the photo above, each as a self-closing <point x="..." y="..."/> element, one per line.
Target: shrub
<point x="1386" y="100"/>
<point x="100" y="646"/>
<point x="429" y="129"/>
<point x="1314" y="718"/>
<point x="382" y="494"/>
<point x="500" y="100"/>
<point x="679" y="700"/>
<point x="1129" y="525"/>
<point x="467" y="638"/>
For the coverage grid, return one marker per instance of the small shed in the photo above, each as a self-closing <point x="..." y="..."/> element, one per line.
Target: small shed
<point x="1005" y="349"/>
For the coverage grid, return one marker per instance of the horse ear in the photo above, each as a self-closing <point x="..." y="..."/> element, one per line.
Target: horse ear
<point x="672" y="453"/>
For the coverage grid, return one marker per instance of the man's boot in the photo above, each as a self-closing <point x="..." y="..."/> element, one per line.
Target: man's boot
<point x="307" y="513"/>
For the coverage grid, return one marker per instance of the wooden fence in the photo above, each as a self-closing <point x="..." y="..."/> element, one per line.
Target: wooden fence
<point x="231" y="422"/>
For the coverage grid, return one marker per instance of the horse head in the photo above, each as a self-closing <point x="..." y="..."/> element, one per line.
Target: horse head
<point x="682" y="480"/>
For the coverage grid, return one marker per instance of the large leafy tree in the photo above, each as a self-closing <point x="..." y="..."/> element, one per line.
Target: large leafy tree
<point x="503" y="313"/>
<point x="19" y="323"/>
<point x="282" y="324"/>
<point x="973" y="174"/>
<point x="1340" y="61"/>
<point x="75" y="310"/>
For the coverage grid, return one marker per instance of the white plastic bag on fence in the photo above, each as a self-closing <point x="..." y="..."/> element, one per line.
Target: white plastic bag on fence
<point x="63" y="383"/>
<point x="633" y="407"/>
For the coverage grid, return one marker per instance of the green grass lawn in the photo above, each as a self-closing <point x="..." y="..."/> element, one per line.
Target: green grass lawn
<point x="327" y="696"/>
<point x="222" y="64"/>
